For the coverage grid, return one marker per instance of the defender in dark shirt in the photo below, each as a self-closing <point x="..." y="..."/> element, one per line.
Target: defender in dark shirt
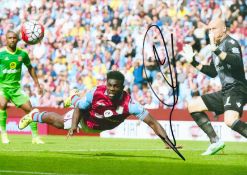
<point x="227" y="63"/>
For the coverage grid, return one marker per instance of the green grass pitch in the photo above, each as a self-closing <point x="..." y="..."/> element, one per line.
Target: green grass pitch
<point x="100" y="156"/>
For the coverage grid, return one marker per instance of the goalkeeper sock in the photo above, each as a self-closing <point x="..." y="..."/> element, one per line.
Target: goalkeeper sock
<point x="203" y="122"/>
<point x="3" y="118"/>
<point x="240" y="127"/>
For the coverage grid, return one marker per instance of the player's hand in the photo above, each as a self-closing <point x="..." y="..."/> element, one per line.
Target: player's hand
<point x="72" y="131"/>
<point x="212" y="41"/>
<point x="177" y="146"/>
<point x="188" y="53"/>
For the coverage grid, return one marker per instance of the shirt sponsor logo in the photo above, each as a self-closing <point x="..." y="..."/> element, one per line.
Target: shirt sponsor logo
<point x="10" y="71"/>
<point x="235" y="50"/>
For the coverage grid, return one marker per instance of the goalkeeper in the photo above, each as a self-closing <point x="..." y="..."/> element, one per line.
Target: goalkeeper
<point x="11" y="60"/>
<point x="227" y="63"/>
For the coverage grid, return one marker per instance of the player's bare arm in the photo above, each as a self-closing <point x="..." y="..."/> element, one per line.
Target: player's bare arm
<point x="33" y="74"/>
<point x="75" y="121"/>
<point x="154" y="124"/>
<point x="157" y="128"/>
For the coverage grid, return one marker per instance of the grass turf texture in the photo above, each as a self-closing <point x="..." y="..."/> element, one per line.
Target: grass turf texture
<point x="94" y="155"/>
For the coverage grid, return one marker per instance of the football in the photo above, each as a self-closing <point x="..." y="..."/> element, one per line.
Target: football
<point x="32" y="32"/>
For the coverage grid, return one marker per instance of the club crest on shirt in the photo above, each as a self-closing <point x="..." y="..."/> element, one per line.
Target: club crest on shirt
<point x="12" y="65"/>
<point x="19" y="58"/>
<point x="231" y="41"/>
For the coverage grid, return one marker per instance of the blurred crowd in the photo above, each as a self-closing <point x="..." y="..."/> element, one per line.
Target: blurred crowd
<point x="86" y="38"/>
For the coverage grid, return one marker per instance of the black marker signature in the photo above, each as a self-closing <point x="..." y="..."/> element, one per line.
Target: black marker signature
<point x="173" y="79"/>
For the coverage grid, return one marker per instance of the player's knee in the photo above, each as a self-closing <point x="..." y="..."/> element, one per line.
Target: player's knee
<point x="229" y="122"/>
<point x="192" y="106"/>
<point x="3" y="105"/>
<point x="230" y="117"/>
<point x="196" y="105"/>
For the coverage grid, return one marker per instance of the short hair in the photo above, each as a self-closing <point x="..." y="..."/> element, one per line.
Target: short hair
<point x="13" y="31"/>
<point x="116" y="75"/>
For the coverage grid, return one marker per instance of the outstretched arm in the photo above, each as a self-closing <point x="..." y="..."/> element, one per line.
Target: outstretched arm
<point x="78" y="104"/>
<point x="159" y="130"/>
<point x="154" y="124"/>
<point x="75" y="121"/>
<point x="142" y="114"/>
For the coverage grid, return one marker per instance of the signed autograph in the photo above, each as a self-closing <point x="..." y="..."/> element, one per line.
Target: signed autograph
<point x="172" y="75"/>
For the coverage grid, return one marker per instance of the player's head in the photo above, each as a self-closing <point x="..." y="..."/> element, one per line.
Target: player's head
<point x="218" y="28"/>
<point x="11" y="39"/>
<point x="115" y="84"/>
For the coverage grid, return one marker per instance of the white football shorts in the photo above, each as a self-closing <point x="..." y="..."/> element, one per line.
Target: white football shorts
<point x="68" y="119"/>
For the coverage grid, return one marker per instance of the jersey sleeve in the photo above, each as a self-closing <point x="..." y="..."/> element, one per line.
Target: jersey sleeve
<point x="233" y="53"/>
<point x="86" y="101"/>
<point x="209" y="70"/>
<point x="137" y="110"/>
<point x="26" y="59"/>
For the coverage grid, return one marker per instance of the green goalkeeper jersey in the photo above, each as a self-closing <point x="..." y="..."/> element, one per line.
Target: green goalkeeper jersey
<point x="11" y="65"/>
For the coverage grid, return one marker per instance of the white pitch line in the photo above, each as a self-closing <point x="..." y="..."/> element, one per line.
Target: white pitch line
<point x="87" y="150"/>
<point x="96" y="150"/>
<point x="31" y="172"/>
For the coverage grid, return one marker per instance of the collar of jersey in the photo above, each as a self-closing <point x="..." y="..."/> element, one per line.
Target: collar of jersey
<point x="12" y="53"/>
<point x="224" y="39"/>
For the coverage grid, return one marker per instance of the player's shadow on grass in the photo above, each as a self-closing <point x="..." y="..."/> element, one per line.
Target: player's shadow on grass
<point x="122" y="155"/>
<point x="231" y="154"/>
<point x="119" y="155"/>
